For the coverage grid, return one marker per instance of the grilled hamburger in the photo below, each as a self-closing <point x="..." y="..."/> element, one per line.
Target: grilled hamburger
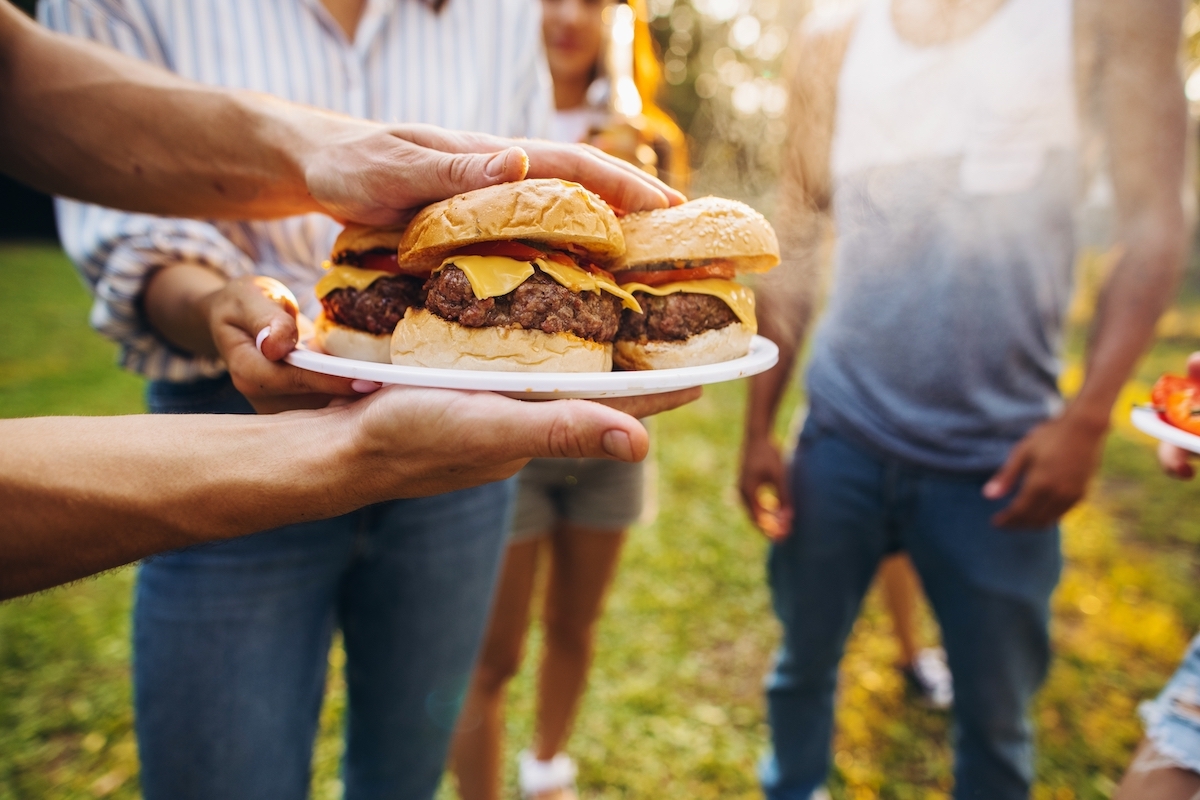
<point x="679" y="264"/>
<point x="364" y="294"/>
<point x="514" y="281"/>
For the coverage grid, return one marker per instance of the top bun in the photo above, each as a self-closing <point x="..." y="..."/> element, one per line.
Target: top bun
<point x="356" y="238"/>
<point x="552" y="211"/>
<point x="707" y="228"/>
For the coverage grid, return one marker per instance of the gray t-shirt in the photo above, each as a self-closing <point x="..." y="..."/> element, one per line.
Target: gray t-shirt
<point x="955" y="186"/>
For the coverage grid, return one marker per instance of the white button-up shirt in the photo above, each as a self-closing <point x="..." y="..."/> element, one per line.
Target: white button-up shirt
<point x="475" y="65"/>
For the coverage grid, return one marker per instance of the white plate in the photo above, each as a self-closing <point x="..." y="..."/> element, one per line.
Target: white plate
<point x="545" y="385"/>
<point x="1147" y="420"/>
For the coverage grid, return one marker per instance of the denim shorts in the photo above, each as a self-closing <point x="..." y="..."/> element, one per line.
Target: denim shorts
<point x="1173" y="718"/>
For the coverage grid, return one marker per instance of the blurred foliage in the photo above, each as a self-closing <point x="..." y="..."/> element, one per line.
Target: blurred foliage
<point x="722" y="65"/>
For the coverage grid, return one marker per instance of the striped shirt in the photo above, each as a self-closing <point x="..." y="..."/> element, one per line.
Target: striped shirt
<point x="477" y="65"/>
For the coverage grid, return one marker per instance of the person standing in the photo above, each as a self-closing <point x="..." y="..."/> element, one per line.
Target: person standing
<point x="231" y="640"/>
<point x="573" y="513"/>
<point x="942" y="138"/>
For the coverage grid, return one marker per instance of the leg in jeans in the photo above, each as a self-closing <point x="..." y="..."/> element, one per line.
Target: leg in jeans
<point x="231" y="643"/>
<point x="413" y="609"/>
<point x="818" y="577"/>
<point x="990" y="589"/>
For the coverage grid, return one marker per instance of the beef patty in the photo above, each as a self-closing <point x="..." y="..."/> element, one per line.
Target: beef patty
<point x="540" y="303"/>
<point x="674" y="317"/>
<point x="377" y="308"/>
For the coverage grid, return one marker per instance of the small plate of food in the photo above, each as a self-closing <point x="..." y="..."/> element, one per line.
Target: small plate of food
<point x="1173" y="415"/>
<point x="535" y="289"/>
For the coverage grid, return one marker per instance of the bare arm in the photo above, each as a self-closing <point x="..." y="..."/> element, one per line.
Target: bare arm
<point x="85" y="122"/>
<point x="788" y="295"/>
<point x="1144" y="116"/>
<point x="84" y="494"/>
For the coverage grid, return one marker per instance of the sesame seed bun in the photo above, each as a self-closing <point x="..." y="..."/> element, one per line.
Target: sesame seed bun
<point x="709" y="228"/>
<point x="558" y="213"/>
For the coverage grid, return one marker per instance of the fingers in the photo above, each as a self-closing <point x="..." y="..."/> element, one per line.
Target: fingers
<point x="1175" y="461"/>
<point x="650" y="404"/>
<point x="1193" y="366"/>
<point x="1002" y="482"/>
<point x="254" y="327"/>
<point x="763" y="486"/>
<point x="266" y="311"/>
<point x="1041" y="501"/>
<point x="622" y="185"/>
<point x="564" y="429"/>
<point x="433" y="175"/>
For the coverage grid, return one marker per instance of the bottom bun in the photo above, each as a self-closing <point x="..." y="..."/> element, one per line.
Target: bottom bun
<point x="710" y="347"/>
<point x="339" y="340"/>
<point x="423" y="339"/>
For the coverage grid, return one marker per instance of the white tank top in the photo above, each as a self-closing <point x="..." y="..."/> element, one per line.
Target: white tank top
<point x="999" y="98"/>
<point x="954" y="194"/>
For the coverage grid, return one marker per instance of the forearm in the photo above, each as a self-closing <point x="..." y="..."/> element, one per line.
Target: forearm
<point x="1145" y="122"/>
<point x="1136" y="294"/>
<point x="98" y="125"/>
<point x="83" y="494"/>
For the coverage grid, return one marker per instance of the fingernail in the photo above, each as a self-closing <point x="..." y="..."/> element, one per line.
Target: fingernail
<point x="364" y="387"/>
<point x="617" y="445"/>
<point x="495" y="165"/>
<point x="262" y="337"/>
<point x="991" y="490"/>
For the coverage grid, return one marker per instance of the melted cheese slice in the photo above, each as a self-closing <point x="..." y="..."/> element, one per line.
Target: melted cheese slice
<point x="493" y="276"/>
<point x="339" y="277"/>
<point x="580" y="280"/>
<point x="739" y="298"/>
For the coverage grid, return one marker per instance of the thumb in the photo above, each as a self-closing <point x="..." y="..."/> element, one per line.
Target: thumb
<point x="1174" y="461"/>
<point x="452" y="174"/>
<point x="1005" y="479"/>
<point x="1193" y="366"/>
<point x="570" y="429"/>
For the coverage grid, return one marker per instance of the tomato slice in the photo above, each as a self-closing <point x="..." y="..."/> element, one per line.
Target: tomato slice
<point x="658" y="277"/>
<point x="603" y="273"/>
<point x="1168" y="385"/>
<point x="558" y="258"/>
<point x="382" y="262"/>
<point x="1183" y="410"/>
<point x="515" y="250"/>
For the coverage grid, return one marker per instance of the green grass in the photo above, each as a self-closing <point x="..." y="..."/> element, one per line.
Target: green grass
<point x="675" y="707"/>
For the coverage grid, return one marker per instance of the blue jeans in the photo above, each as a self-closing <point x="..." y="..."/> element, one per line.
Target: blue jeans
<point x="990" y="589"/>
<point x="231" y="641"/>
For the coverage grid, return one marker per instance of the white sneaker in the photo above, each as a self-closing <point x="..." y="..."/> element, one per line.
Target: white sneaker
<point x="929" y="679"/>
<point x="538" y="778"/>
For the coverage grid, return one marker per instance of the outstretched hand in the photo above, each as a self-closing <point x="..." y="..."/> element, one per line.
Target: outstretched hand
<point x="421" y="442"/>
<point x="380" y="175"/>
